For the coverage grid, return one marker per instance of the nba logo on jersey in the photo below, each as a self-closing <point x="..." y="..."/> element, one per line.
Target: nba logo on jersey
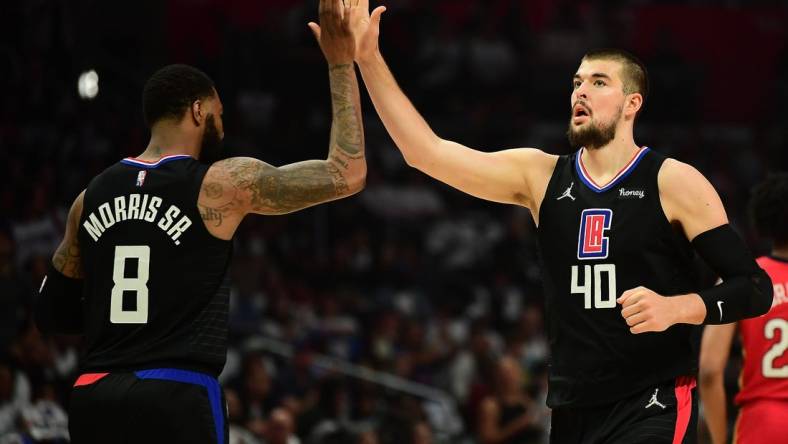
<point x="141" y="177"/>
<point x="592" y="241"/>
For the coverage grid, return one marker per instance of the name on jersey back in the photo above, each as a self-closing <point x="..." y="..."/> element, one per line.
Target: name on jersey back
<point x="140" y="207"/>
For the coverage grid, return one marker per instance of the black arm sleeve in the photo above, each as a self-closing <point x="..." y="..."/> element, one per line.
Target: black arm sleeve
<point x="746" y="290"/>
<point x="58" y="305"/>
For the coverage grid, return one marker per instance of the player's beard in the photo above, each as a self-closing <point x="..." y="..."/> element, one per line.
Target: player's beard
<point x="211" y="148"/>
<point x="593" y="136"/>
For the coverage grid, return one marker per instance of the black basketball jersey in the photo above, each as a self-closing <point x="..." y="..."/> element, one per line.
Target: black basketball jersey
<point x="154" y="276"/>
<point x="597" y="242"/>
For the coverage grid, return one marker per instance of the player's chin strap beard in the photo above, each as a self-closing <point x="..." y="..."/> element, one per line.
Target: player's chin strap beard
<point x="211" y="148"/>
<point x="592" y="137"/>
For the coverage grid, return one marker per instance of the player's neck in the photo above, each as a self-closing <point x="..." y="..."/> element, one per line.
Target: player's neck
<point x="605" y="162"/>
<point x="168" y="144"/>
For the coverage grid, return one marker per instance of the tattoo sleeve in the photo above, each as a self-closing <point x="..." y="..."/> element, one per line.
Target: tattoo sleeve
<point x="261" y="188"/>
<point x="67" y="259"/>
<point x="347" y="134"/>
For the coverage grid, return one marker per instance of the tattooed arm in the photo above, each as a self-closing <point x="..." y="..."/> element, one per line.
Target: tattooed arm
<point x="237" y="186"/>
<point x="66" y="258"/>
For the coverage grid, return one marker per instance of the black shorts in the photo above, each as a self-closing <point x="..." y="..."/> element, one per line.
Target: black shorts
<point x="664" y="414"/>
<point x="149" y="406"/>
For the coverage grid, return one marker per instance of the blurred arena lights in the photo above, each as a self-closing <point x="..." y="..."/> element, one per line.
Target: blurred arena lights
<point x="87" y="85"/>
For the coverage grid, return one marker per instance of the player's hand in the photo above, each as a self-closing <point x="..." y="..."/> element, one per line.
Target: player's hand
<point x="365" y="28"/>
<point x="333" y="33"/>
<point x="645" y="310"/>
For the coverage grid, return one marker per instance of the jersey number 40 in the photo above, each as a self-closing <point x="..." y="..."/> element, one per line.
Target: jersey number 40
<point x="599" y="280"/>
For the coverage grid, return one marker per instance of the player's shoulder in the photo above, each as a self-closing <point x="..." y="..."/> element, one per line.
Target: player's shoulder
<point x="533" y="163"/>
<point x="673" y="171"/>
<point x="230" y="182"/>
<point x="108" y="173"/>
<point x="535" y="167"/>
<point x="78" y="202"/>
<point x="75" y="212"/>
<point x="682" y="181"/>
<point x="109" y="177"/>
<point x="531" y="155"/>
<point x="689" y="198"/>
<point x="232" y="162"/>
<point x="236" y="167"/>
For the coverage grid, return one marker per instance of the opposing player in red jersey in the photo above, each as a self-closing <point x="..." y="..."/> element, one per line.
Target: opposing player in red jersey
<point x="763" y="394"/>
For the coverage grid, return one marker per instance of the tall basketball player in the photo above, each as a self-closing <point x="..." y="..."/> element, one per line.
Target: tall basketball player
<point x="617" y="223"/>
<point x="763" y="391"/>
<point x="148" y="243"/>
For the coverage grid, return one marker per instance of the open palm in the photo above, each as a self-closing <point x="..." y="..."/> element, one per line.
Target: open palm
<point x="365" y="27"/>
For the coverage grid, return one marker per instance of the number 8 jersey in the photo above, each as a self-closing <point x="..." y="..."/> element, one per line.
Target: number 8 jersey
<point x="154" y="293"/>
<point x="765" y="342"/>
<point x="597" y="241"/>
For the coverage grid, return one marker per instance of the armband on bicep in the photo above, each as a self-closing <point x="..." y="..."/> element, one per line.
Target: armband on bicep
<point x="745" y="291"/>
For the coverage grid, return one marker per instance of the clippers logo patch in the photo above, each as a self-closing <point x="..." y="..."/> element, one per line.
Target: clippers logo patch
<point x="592" y="242"/>
<point x="141" y="177"/>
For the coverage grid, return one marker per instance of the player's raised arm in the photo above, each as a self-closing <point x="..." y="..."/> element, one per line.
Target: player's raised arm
<point x="241" y="185"/>
<point x="58" y="305"/>
<point x="246" y="185"/>
<point x="512" y="176"/>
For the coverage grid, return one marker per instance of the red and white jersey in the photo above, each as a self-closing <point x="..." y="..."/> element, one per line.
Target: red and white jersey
<point x="765" y="342"/>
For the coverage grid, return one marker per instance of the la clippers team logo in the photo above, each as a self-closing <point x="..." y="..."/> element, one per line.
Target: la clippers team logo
<point x="592" y="242"/>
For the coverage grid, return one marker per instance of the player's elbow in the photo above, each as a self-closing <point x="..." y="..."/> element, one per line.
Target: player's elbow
<point x="358" y="179"/>
<point x="357" y="185"/>
<point x="424" y="153"/>
<point x="349" y="177"/>
<point x="413" y="160"/>
<point x="763" y="293"/>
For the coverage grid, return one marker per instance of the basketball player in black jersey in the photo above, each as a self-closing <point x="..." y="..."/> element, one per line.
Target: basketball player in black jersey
<point x="148" y="243"/>
<point x="617" y="224"/>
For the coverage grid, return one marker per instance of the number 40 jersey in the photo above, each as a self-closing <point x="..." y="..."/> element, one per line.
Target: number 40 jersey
<point x="154" y="293"/>
<point x="765" y="342"/>
<point x="597" y="241"/>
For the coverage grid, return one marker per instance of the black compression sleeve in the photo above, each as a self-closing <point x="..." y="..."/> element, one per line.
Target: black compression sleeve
<point x="745" y="291"/>
<point x="58" y="304"/>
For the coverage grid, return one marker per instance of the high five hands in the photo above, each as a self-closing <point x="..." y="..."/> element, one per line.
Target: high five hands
<point x="347" y="30"/>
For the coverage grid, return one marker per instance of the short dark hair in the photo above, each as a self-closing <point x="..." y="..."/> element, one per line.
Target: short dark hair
<point x="171" y="90"/>
<point x="633" y="72"/>
<point x="768" y="208"/>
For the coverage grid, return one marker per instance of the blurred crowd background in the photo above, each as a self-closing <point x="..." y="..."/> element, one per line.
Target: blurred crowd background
<point x="404" y="314"/>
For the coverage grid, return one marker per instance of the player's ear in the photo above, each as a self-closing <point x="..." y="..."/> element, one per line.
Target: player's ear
<point x="633" y="104"/>
<point x="197" y="112"/>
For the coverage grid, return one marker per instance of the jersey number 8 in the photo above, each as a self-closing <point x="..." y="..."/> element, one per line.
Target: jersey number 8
<point x="138" y="285"/>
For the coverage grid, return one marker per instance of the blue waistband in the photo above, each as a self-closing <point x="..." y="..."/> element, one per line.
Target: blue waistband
<point x="209" y="383"/>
